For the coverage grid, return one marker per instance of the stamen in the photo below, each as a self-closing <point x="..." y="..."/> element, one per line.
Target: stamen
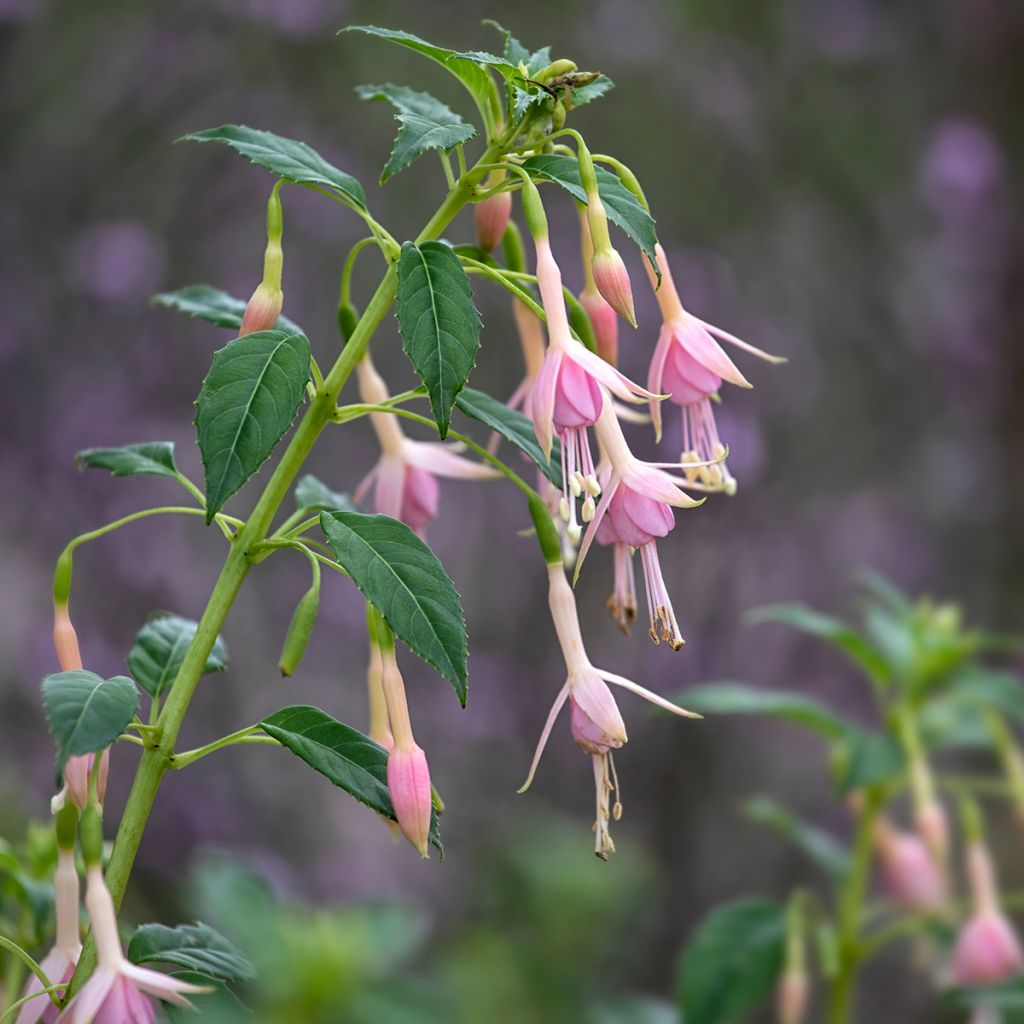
<point x="659" y="605"/>
<point x="587" y="513"/>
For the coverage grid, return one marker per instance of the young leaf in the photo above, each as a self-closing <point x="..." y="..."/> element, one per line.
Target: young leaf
<point x="314" y="495"/>
<point x="195" y="947"/>
<point x="738" y="699"/>
<point x="476" y="80"/>
<point x="214" y="306"/>
<point x="403" y="578"/>
<point x="865" y="758"/>
<point x="152" y="458"/>
<point x="584" y="94"/>
<point x="287" y="158"/>
<point x="514" y="427"/>
<point x="439" y="323"/>
<point x="818" y="845"/>
<point x="86" y="712"/>
<point x="515" y="53"/>
<point x="732" y="962"/>
<point x="425" y="124"/>
<point x="620" y="204"/>
<point x="159" y="650"/>
<point x="340" y="753"/>
<point x="248" y="400"/>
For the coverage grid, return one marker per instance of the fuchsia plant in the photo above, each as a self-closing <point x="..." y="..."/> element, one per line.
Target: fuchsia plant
<point x="573" y="396"/>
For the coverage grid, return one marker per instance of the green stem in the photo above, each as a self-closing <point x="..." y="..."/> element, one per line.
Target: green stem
<point x="246" y="735"/>
<point x="48" y="990"/>
<point x="16" y="950"/>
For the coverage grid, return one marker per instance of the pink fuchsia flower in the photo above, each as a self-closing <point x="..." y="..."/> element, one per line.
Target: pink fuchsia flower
<point x="492" y="216"/>
<point x="689" y="366"/>
<point x="596" y="723"/>
<point x="988" y="949"/>
<point x="59" y="964"/>
<point x="116" y="992"/>
<point x="405" y="477"/>
<point x="605" y="322"/>
<point x="912" y="877"/>
<point x="530" y="330"/>
<point x="635" y="510"/>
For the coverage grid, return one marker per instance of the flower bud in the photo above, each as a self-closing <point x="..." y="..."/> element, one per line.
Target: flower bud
<point x="492" y="216"/>
<point x="65" y="640"/>
<point x="409" y="784"/>
<point x="348" y="317"/>
<point x="912" y="876"/>
<point x="605" y="323"/>
<point x="263" y="310"/>
<point x="300" y="630"/>
<point x="612" y="280"/>
<point x="791" y="997"/>
<point x="76" y="778"/>
<point x="933" y="827"/>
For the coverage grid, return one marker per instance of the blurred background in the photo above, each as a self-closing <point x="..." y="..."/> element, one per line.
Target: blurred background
<point x="834" y="180"/>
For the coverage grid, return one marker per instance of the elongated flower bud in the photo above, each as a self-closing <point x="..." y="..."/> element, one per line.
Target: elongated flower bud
<point x="263" y="309"/>
<point x="791" y="997"/>
<point x="300" y="629"/>
<point x="912" y="876"/>
<point x="65" y="640"/>
<point x="492" y="216"/>
<point x="409" y="785"/>
<point x="612" y="280"/>
<point x="265" y="303"/>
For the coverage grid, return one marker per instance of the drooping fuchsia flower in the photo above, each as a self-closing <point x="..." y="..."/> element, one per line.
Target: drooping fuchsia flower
<point x="689" y="366"/>
<point x="913" y="879"/>
<point x="596" y="723"/>
<point x="988" y="949"/>
<point x="636" y="505"/>
<point x="603" y="318"/>
<point x="59" y="964"/>
<point x="405" y="477"/>
<point x="116" y="992"/>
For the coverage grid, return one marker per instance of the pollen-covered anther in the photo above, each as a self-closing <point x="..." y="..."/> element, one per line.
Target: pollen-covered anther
<point x="588" y="510"/>
<point x="563" y="509"/>
<point x="593" y="485"/>
<point x="576" y="484"/>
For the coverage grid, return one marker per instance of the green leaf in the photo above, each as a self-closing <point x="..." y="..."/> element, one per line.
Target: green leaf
<point x="515" y="53"/>
<point x="738" y="699"/>
<point x="159" y="650"/>
<point x="620" y="204"/>
<point x="584" y="94"/>
<point x="732" y="962"/>
<point x="152" y="458"/>
<point x="248" y="400"/>
<point x="403" y="578"/>
<point x="214" y="306"/>
<point x="313" y="495"/>
<point x="85" y="712"/>
<point x="817" y="844"/>
<point x="352" y="761"/>
<point x="865" y="758"/>
<point x="476" y="80"/>
<point x="195" y="947"/>
<point x="834" y="631"/>
<point x="514" y="427"/>
<point x="425" y="124"/>
<point x="988" y="689"/>
<point x="287" y="158"/>
<point x="439" y="323"/>
<point x="218" y="1006"/>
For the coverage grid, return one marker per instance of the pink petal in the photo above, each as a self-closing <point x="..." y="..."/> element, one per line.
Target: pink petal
<point x="578" y="398"/>
<point x="693" y="336"/>
<point x="441" y="460"/>
<point x="163" y="986"/>
<point x="657" y="484"/>
<point x="686" y="380"/>
<point x="560" y="700"/>
<point x="390" y="486"/>
<point x="642" y="691"/>
<point x="617" y="383"/>
<point x="597" y="703"/>
<point x="83" y="1007"/>
<point x="607" y="492"/>
<point x="542" y="399"/>
<point x="739" y="343"/>
<point x="655" y="374"/>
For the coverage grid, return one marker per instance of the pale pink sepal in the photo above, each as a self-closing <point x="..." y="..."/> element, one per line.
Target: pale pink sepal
<point x="409" y="785"/>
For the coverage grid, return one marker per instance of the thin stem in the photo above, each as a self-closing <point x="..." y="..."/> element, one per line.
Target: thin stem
<point x="49" y="990"/>
<point x="247" y="735"/>
<point x="14" y="948"/>
<point x="460" y="153"/>
<point x="350" y="262"/>
<point x="448" y="175"/>
<point x="502" y="277"/>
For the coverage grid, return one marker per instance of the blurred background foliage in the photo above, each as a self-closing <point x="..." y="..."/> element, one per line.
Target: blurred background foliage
<point x="837" y="180"/>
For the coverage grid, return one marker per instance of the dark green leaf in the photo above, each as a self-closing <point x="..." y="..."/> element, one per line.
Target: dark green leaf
<point x="1006" y="995"/>
<point x="738" y="699"/>
<point x="287" y="158"/>
<point x="403" y="578"/>
<point x="314" y="495"/>
<point x="865" y="758"/>
<point x="439" y="323"/>
<point x="342" y="754"/>
<point x="514" y="427"/>
<point x="195" y="947"/>
<point x="153" y="458"/>
<point x="732" y="962"/>
<point x="834" y="631"/>
<point x="818" y="845"/>
<point x="159" y="650"/>
<point x="425" y="124"/>
<point x="248" y="400"/>
<point x="620" y="204"/>
<point x="85" y="712"/>
<point x="214" y="306"/>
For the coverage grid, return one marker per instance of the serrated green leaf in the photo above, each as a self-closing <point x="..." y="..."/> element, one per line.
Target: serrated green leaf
<point x="476" y="80"/>
<point x="425" y="124"/>
<point x="584" y="94"/>
<point x="287" y="158"/>
<point x="827" y="628"/>
<point x="440" y="325"/>
<point x="159" y="650"/>
<point x="514" y="427"/>
<point x="817" y="844"/>
<point x="515" y="53"/>
<point x="865" y="758"/>
<point x="313" y="495"/>
<point x="204" y="302"/>
<point x="739" y="699"/>
<point x="403" y="578"/>
<point x="151" y="458"/>
<point x="352" y="761"/>
<point x="732" y="962"/>
<point x="86" y="712"/>
<point x="195" y="947"/>
<point x="248" y="400"/>
<point x="620" y="204"/>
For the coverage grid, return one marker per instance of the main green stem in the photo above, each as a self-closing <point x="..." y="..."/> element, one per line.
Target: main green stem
<point x="156" y="758"/>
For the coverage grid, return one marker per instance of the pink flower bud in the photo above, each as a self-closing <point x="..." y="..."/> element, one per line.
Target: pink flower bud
<point x="76" y="778"/>
<point x="933" y="828"/>
<point x="65" y="640"/>
<point x="912" y="877"/>
<point x="605" y="323"/>
<point x="791" y="997"/>
<point x="612" y="280"/>
<point x="492" y="216"/>
<point x="263" y="310"/>
<point x="409" y="783"/>
<point x="987" y="951"/>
